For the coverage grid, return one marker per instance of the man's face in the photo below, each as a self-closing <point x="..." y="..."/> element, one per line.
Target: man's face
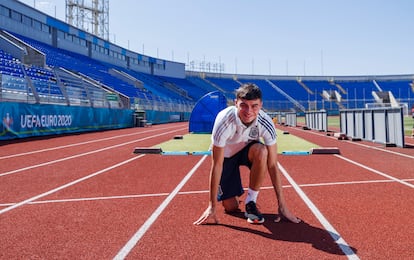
<point x="248" y="110"/>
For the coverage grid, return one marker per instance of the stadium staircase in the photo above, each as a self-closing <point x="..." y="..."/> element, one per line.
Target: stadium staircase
<point x="294" y="101"/>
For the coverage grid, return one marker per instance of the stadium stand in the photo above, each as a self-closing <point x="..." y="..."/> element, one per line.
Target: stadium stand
<point x="357" y="93"/>
<point x="400" y="88"/>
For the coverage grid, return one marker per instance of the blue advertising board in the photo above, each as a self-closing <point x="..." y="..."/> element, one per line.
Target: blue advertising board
<point x="20" y="120"/>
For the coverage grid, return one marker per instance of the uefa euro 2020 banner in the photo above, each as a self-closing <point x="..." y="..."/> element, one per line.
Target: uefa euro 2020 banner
<point x="21" y="120"/>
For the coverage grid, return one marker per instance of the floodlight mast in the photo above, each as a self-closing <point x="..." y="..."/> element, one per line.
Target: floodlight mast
<point x="89" y="15"/>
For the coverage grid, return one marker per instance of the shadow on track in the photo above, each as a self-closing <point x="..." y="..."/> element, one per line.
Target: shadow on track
<point x="286" y="231"/>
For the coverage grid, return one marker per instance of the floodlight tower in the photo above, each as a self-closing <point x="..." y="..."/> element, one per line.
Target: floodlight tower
<point x="89" y="15"/>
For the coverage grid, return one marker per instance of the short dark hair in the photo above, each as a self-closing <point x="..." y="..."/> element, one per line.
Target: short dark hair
<point x="249" y="91"/>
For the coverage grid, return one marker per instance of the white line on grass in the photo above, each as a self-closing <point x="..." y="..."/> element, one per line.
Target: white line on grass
<point x="331" y="230"/>
<point x="68" y="185"/>
<point x="143" y="229"/>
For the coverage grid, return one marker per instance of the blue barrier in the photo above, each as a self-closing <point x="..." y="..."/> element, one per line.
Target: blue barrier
<point x="20" y="120"/>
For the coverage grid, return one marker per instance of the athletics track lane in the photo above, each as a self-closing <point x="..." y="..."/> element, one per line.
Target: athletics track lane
<point x="44" y="227"/>
<point x="103" y="225"/>
<point x="34" y="229"/>
<point x="52" y="168"/>
<point x="370" y="211"/>
<point x="376" y="212"/>
<point x="98" y="223"/>
<point x="393" y="160"/>
<point x="42" y="151"/>
<point x="357" y="202"/>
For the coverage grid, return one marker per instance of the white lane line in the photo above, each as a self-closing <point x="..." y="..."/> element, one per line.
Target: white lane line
<point x="382" y="150"/>
<point x="77" y="144"/>
<point x="346" y="249"/>
<point x="91" y="199"/>
<point x="144" y="228"/>
<point x="131" y="196"/>
<point x="83" y="154"/>
<point x="364" y="145"/>
<point x="67" y="185"/>
<point x="375" y="171"/>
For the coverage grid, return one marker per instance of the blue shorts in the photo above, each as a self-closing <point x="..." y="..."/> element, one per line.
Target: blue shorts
<point x="230" y="182"/>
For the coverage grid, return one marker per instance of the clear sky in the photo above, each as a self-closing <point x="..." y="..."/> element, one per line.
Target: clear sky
<point x="262" y="37"/>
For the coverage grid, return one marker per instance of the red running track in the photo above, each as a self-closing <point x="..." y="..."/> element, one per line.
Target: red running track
<point x="89" y="197"/>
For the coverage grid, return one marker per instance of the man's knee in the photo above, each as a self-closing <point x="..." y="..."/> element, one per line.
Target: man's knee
<point x="258" y="153"/>
<point x="231" y="204"/>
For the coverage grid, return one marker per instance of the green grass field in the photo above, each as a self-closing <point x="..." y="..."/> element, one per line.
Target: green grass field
<point x="201" y="142"/>
<point x="286" y="142"/>
<point x="408" y="125"/>
<point x="189" y="143"/>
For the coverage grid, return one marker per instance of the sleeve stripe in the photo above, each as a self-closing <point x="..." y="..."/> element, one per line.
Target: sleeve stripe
<point x="224" y="125"/>
<point x="268" y="126"/>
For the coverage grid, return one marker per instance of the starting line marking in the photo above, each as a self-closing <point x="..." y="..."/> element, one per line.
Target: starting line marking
<point x="144" y="228"/>
<point x="83" y="154"/>
<point x="195" y="192"/>
<point x="24" y="202"/>
<point x="375" y="171"/>
<point x="331" y="230"/>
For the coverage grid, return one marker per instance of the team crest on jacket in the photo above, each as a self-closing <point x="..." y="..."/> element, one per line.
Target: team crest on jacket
<point x="254" y="132"/>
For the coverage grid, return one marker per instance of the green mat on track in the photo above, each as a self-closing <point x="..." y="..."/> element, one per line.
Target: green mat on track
<point x="288" y="142"/>
<point x="189" y="143"/>
<point x="201" y="142"/>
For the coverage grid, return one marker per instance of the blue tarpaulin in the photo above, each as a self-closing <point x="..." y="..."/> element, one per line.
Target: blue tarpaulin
<point x="205" y="112"/>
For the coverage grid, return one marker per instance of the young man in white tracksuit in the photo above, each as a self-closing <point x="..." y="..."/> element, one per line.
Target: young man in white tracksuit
<point x="236" y="140"/>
